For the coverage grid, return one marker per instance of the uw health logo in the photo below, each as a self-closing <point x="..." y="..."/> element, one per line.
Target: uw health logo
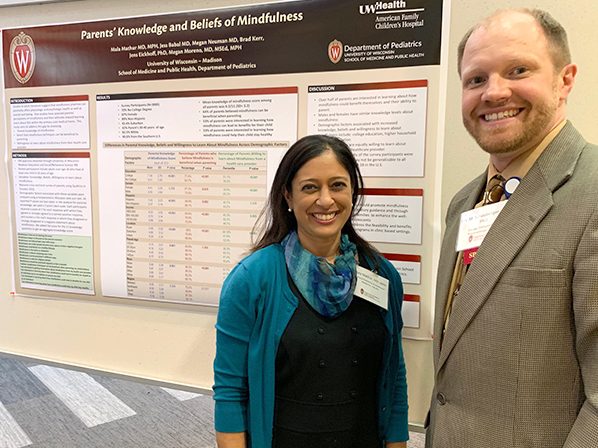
<point x="22" y="57"/>
<point x="335" y="51"/>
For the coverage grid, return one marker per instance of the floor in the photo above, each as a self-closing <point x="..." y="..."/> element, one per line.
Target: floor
<point x="50" y="407"/>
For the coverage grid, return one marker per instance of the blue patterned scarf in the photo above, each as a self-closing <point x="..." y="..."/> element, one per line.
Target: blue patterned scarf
<point x="327" y="287"/>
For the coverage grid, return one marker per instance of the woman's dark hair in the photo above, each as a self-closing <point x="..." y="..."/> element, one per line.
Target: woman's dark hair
<point x="275" y="221"/>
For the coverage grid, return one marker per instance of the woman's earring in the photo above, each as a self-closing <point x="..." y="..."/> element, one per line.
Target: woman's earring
<point x="290" y="209"/>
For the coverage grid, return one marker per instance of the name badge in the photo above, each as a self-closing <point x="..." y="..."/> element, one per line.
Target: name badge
<point x="372" y="287"/>
<point x="475" y="224"/>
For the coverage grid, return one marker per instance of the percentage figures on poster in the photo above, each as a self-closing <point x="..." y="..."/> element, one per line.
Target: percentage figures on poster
<point x="189" y="221"/>
<point x="237" y="115"/>
<point x="183" y="177"/>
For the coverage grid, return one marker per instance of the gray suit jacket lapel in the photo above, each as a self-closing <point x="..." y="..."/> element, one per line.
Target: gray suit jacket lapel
<point x="448" y="255"/>
<point x="509" y="233"/>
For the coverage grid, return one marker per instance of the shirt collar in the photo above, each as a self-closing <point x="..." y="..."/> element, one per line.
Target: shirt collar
<point x="522" y="164"/>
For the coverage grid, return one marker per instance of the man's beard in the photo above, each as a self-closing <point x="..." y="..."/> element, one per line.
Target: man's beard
<point x="529" y="132"/>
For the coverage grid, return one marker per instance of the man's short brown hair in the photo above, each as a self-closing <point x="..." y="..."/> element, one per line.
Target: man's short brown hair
<point x="558" y="46"/>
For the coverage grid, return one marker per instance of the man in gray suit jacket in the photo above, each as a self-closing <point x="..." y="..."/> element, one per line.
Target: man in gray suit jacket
<point x="516" y="327"/>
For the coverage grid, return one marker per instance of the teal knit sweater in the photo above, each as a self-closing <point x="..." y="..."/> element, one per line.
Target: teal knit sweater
<point x="256" y="305"/>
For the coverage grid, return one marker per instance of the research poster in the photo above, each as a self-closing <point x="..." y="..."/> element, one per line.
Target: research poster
<point x="141" y="150"/>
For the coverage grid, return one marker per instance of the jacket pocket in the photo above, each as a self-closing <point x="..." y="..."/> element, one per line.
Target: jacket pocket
<point x="535" y="278"/>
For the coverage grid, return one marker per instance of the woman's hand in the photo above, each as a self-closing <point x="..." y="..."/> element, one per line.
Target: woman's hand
<point x="230" y="440"/>
<point x="396" y="444"/>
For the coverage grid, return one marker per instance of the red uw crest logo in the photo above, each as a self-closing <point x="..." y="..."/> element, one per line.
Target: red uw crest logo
<point x="335" y="51"/>
<point x="22" y="57"/>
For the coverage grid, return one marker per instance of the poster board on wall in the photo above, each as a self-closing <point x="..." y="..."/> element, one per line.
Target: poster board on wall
<point x="141" y="149"/>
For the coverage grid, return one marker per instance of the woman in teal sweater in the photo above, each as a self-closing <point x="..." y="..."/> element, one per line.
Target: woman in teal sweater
<point x="308" y="352"/>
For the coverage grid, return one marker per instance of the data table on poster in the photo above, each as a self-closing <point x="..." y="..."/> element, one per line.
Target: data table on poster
<point x="189" y="217"/>
<point x="183" y="177"/>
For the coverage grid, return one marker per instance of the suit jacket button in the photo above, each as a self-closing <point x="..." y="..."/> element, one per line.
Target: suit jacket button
<point x="440" y="398"/>
<point x="320" y="396"/>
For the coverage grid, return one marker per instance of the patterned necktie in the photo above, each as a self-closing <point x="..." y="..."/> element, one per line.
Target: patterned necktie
<point x="494" y="190"/>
